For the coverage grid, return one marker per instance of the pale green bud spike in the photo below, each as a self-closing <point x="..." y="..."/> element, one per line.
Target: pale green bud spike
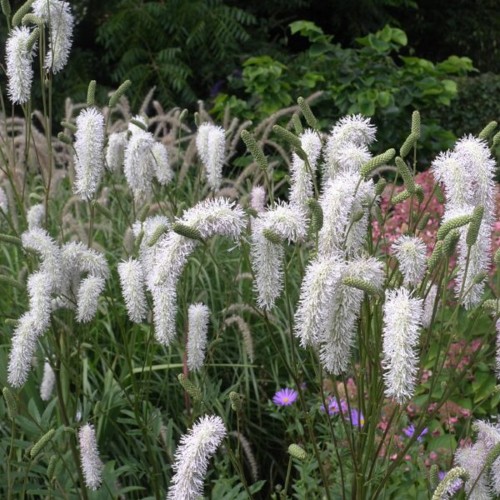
<point x="380" y="186"/>
<point x="297" y="452"/>
<point x="11" y="322"/>
<point x="21" y="12"/>
<point x="139" y="124"/>
<point x="316" y="214"/>
<point x="103" y="210"/>
<point x="251" y="211"/>
<point x="454" y="223"/>
<point x="434" y="475"/>
<point x="115" y="96"/>
<point x="419" y="191"/>
<point x="496" y="140"/>
<point x="143" y="213"/>
<point x="488" y="130"/>
<point x="497" y="258"/>
<point x="439" y="194"/>
<point x="378" y="215"/>
<point x="183" y="115"/>
<point x="33" y="38"/>
<point x="357" y="216"/>
<point x="307" y="112"/>
<point x="189" y="387"/>
<point x="52" y="467"/>
<point x="7" y="238"/>
<point x="287" y="136"/>
<point x="272" y="236"/>
<point x="415" y="123"/>
<point x="32" y="19"/>
<point x="10" y="401"/>
<point x="479" y="277"/>
<point x="407" y="146"/>
<point x="423" y="222"/>
<point x="474" y="226"/>
<point x="186" y="231"/>
<point x="360" y="284"/>
<point x="406" y="175"/>
<point x="236" y="401"/>
<point x="403" y="196"/>
<point x="197" y="119"/>
<point x="64" y="138"/>
<point x="5" y="7"/>
<point x="491" y="305"/>
<point x="159" y="231"/>
<point x="435" y="257"/>
<point x="377" y="161"/>
<point x="7" y="280"/>
<point x="69" y="126"/>
<point x="138" y="240"/>
<point x="254" y="149"/>
<point x="448" y="480"/>
<point x="297" y="125"/>
<point x="450" y="242"/>
<point x="91" y="93"/>
<point x="41" y="443"/>
<point x="301" y="154"/>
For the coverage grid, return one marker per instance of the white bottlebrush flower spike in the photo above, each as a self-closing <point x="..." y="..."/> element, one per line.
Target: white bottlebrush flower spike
<point x="57" y="14"/>
<point x="411" y="254"/>
<point x="161" y="164"/>
<point x="132" y="283"/>
<point x="89" y="292"/>
<point x="402" y="320"/>
<point x="89" y="152"/>
<point x="19" y="65"/>
<point x="198" y="316"/>
<point x="192" y="456"/>
<point x="36" y="216"/>
<point x="211" y="144"/>
<point x="92" y="465"/>
<point x="4" y="202"/>
<point x="472" y="459"/>
<point x="115" y="151"/>
<point x="429" y="303"/>
<point x="258" y="199"/>
<point x="48" y="382"/>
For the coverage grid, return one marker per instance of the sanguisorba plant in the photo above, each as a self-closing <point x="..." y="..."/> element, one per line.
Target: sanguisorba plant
<point x="131" y="258"/>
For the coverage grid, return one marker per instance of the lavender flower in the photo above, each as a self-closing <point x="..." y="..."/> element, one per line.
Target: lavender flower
<point x="19" y="65"/>
<point x="410" y="432"/>
<point x="356" y="417"/>
<point x="285" y="397"/>
<point x="402" y="320"/>
<point x="192" y="456"/>
<point x="89" y="152"/>
<point x="334" y="408"/>
<point x="198" y="315"/>
<point x="92" y="466"/>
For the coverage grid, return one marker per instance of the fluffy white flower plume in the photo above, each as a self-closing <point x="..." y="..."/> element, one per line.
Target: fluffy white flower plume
<point x="402" y="320"/>
<point x="36" y="216"/>
<point x="340" y="326"/>
<point x="302" y="175"/>
<point x="497" y="358"/>
<point x="19" y="65"/>
<point x="132" y="283"/>
<point x="89" y="152"/>
<point x="258" y="199"/>
<point x="161" y="164"/>
<point x="48" y="382"/>
<point x="115" y="151"/>
<point x="192" y="456"/>
<point x="429" y="302"/>
<point x="4" y="202"/>
<point x="411" y="253"/>
<point x="287" y="222"/>
<point x="89" y="292"/>
<point x="92" y="465"/>
<point x="198" y="316"/>
<point x="472" y="459"/>
<point x="40" y="288"/>
<point x="60" y="21"/>
<point x="211" y="143"/>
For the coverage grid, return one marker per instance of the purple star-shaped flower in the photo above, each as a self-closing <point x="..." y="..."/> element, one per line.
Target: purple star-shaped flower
<point x="285" y="397"/>
<point x="410" y="431"/>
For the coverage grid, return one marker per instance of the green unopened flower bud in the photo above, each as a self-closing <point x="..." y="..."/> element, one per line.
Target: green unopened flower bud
<point x="357" y="216"/>
<point x="103" y="210"/>
<point x="189" y="387"/>
<point x="454" y="223"/>
<point x="41" y="443"/>
<point x="377" y="161"/>
<point x="406" y="175"/>
<point x="52" y="467"/>
<point x="115" y="96"/>
<point x="493" y="454"/>
<point x="158" y="232"/>
<point x="450" y="242"/>
<point x="10" y="401"/>
<point x="5" y="7"/>
<point x="488" y="130"/>
<point x="434" y="475"/>
<point x="188" y="232"/>
<point x="197" y="119"/>
<point x="21" y="12"/>
<point x="7" y="238"/>
<point x="415" y="123"/>
<point x="301" y="154"/>
<point x="378" y="215"/>
<point x="496" y="140"/>
<point x="407" y="146"/>
<point x="480" y="277"/>
<point x="297" y="452"/>
<point x="183" y="115"/>
<point x="91" y="93"/>
<point x="492" y="306"/>
<point x="64" y="138"/>
<point x="254" y="149"/>
<point x="400" y="197"/>
<point x="32" y="39"/>
<point x="143" y="213"/>
<point x="139" y="124"/>
<point x="497" y="258"/>
<point x="69" y="126"/>
<point x="236" y="401"/>
<point x="380" y="186"/>
<point x="308" y="114"/>
<point x="32" y="19"/>
<point x="435" y="257"/>
<point x="360" y="284"/>
<point x="287" y="136"/>
<point x="272" y="236"/>
<point x="297" y="124"/>
<point x="316" y="214"/>
<point x="423" y="222"/>
<point x="474" y="226"/>
<point x="439" y="194"/>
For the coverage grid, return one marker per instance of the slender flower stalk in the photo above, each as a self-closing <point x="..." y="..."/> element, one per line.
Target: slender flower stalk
<point x="92" y="465"/>
<point x="198" y="317"/>
<point x="192" y="456"/>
